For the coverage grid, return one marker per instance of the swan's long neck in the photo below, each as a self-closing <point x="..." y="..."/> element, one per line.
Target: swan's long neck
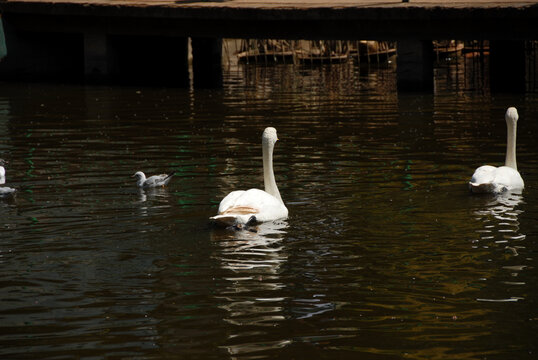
<point x="268" y="175"/>
<point x="511" y="145"/>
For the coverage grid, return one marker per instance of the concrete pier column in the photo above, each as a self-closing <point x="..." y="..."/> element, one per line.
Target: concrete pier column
<point x="96" y="56"/>
<point x="207" y="62"/>
<point x="507" y="66"/>
<point x="415" y="65"/>
<point x="3" y="48"/>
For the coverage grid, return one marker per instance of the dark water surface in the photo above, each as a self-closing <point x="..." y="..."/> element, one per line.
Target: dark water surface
<point x="385" y="254"/>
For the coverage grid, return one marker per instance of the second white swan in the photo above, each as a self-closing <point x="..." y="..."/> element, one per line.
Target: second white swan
<point x="491" y="179"/>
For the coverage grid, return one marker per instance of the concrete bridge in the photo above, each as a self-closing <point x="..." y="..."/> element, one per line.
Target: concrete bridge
<point x="145" y="41"/>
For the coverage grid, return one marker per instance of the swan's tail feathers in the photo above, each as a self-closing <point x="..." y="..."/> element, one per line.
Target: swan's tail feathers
<point x="234" y="220"/>
<point x="224" y="220"/>
<point x="480" y="188"/>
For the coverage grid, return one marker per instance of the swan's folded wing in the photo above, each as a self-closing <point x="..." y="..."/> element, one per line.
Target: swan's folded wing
<point x="482" y="180"/>
<point x="253" y="199"/>
<point x="230" y="200"/>
<point x="509" y="179"/>
<point x="490" y="179"/>
<point x="484" y="174"/>
<point x="242" y="205"/>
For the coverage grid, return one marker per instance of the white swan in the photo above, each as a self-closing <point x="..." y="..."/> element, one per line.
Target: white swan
<point x="152" y="181"/>
<point x="4" y="190"/>
<point x="2" y="170"/>
<point x="491" y="179"/>
<point x="254" y="205"/>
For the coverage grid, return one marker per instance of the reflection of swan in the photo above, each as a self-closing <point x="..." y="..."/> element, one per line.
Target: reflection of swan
<point x="152" y="181"/>
<point x="262" y="241"/>
<point x="501" y="231"/>
<point x="6" y="191"/>
<point x="254" y="205"/>
<point x="490" y="179"/>
<point x="502" y="207"/>
<point x="251" y="262"/>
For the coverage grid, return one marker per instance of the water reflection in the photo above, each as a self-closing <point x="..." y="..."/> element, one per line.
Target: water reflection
<point x="159" y="194"/>
<point x="501" y="231"/>
<point x="253" y="295"/>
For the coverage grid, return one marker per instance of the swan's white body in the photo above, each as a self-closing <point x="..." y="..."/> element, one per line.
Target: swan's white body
<point x="152" y="181"/>
<point x="254" y="205"/>
<point x="2" y="170"/>
<point x="491" y="179"/>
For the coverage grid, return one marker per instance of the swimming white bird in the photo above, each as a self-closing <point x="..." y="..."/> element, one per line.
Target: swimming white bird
<point x="152" y="181"/>
<point x="255" y="206"/>
<point x="491" y="179"/>
<point x="2" y="170"/>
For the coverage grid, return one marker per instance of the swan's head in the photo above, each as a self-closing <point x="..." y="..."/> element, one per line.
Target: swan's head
<point x="269" y="136"/>
<point x="511" y="115"/>
<point x="3" y="162"/>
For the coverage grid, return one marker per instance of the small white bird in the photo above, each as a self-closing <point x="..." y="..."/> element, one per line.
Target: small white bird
<point x="255" y="206"/>
<point x="152" y="181"/>
<point x="491" y="179"/>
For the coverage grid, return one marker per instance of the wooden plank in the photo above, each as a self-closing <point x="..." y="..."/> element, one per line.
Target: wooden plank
<point x="293" y="4"/>
<point x="276" y="4"/>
